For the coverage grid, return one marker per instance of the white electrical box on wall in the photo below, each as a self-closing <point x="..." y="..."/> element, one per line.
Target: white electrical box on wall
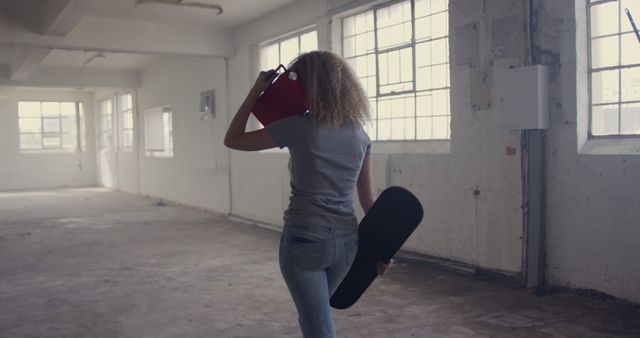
<point x="522" y="97"/>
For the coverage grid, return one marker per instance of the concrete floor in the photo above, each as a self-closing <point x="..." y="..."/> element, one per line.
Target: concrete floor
<point x="94" y="263"/>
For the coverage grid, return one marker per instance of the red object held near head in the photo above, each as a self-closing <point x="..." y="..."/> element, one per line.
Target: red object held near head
<point x="285" y="97"/>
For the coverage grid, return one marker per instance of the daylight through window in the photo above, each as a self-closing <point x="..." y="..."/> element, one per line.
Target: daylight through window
<point x="400" y="53"/>
<point x="614" y="68"/>
<point x="48" y="125"/>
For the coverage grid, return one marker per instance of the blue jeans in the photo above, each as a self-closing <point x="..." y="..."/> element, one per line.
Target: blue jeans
<point x="313" y="262"/>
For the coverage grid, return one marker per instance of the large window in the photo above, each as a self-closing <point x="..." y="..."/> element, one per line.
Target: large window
<point x="284" y="50"/>
<point x="125" y="103"/>
<point x="158" y="132"/>
<point x="106" y="124"/>
<point x="50" y="126"/>
<point x="400" y="53"/>
<point x="614" y="68"/>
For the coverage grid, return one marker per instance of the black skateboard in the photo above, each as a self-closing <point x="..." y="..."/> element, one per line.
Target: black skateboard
<point x="383" y="230"/>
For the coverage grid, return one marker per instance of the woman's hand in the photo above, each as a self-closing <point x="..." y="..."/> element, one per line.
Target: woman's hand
<point x="383" y="267"/>
<point x="264" y="80"/>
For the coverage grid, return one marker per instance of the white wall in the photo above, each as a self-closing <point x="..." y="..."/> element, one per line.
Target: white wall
<point x="594" y="208"/>
<point x="198" y="174"/>
<point x="483" y="230"/>
<point x="592" y="236"/>
<point x="43" y="169"/>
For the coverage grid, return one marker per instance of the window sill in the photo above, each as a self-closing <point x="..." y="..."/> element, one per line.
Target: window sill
<point x="611" y="146"/>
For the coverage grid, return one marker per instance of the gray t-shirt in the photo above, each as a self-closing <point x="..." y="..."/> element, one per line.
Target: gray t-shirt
<point x="324" y="165"/>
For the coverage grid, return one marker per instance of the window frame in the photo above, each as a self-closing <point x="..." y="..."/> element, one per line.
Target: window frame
<point x="168" y="141"/>
<point x="110" y="129"/>
<point x="413" y="93"/>
<point x="76" y="128"/>
<point x="278" y="40"/>
<point x="619" y="67"/>
<point x="121" y="130"/>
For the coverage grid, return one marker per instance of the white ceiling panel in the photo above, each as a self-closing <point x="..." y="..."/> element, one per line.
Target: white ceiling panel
<point x="76" y="59"/>
<point x="235" y="12"/>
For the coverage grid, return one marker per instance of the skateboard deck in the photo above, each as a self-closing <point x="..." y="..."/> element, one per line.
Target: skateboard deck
<point x="382" y="231"/>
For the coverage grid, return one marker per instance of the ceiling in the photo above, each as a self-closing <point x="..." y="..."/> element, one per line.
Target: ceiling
<point x="67" y="58"/>
<point x="235" y="12"/>
<point x="67" y="17"/>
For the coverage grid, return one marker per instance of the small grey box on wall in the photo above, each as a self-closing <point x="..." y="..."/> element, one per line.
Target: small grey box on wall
<point x="522" y="97"/>
<point x="207" y="102"/>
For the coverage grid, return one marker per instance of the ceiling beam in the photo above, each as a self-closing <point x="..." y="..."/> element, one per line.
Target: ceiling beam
<point x="26" y="61"/>
<point x="59" y="17"/>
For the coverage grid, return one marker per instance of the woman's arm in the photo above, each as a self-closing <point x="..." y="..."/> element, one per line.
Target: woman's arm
<point x="366" y="194"/>
<point x="236" y="137"/>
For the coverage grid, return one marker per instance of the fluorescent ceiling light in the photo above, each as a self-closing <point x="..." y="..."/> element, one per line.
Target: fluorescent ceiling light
<point x="202" y="4"/>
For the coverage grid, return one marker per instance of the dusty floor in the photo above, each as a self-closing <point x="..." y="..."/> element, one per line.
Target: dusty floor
<point x="94" y="263"/>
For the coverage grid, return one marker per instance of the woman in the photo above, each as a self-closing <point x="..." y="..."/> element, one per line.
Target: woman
<point x="329" y="157"/>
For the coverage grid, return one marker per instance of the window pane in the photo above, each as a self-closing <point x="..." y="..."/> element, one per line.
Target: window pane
<point x="422" y="8"/>
<point x="309" y="42"/>
<point x="349" y="47"/>
<point x="30" y="141"/>
<point x="126" y="101"/>
<point x="348" y="26"/>
<point x="441" y="102"/>
<point x="384" y="129"/>
<point x="51" y="109"/>
<point x="631" y="84"/>
<point x="439" y="5"/>
<point x="30" y="125"/>
<point x="604" y="52"/>
<point x="29" y="109"/>
<point x="604" y="19"/>
<point x="634" y="8"/>
<point x="68" y="108"/>
<point x="440" y="127"/>
<point x="604" y="120"/>
<point x="440" y="25"/>
<point x="630" y="119"/>
<point x="397" y="129"/>
<point x="289" y="49"/>
<point x="423" y="28"/>
<point x="397" y="107"/>
<point x="424" y="126"/>
<point x="440" y="76"/>
<point x="423" y="54"/>
<point x="69" y="141"/>
<point x="51" y="125"/>
<point x="52" y="142"/>
<point x="270" y="57"/>
<point x="127" y="138"/>
<point x="424" y="105"/>
<point x="439" y="51"/>
<point x="69" y="125"/>
<point x="410" y="129"/>
<point x="127" y="120"/>
<point x="396" y="72"/>
<point x="604" y="86"/>
<point x="384" y="108"/>
<point x="630" y="49"/>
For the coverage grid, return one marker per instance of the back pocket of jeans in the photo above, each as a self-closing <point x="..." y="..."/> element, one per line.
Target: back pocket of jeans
<point x="307" y="254"/>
